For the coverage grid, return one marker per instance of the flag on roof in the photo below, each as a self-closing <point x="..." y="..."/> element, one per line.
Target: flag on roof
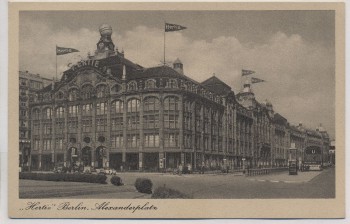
<point x="64" y="50"/>
<point x="256" y="80"/>
<point x="173" y="27"/>
<point x="247" y="72"/>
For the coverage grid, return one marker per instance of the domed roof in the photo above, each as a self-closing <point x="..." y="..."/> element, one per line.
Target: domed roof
<point x="105" y="29"/>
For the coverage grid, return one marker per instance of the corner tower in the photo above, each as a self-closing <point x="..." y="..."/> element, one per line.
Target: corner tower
<point x="105" y="46"/>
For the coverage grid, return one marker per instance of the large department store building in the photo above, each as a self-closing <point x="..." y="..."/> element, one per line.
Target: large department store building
<point x="107" y="111"/>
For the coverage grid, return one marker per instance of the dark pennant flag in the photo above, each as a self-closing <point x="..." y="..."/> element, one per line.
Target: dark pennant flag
<point x="256" y="80"/>
<point x="63" y="50"/>
<point x="173" y="27"/>
<point x="247" y="72"/>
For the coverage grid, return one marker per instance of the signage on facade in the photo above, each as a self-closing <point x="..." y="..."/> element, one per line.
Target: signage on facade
<point x="86" y="63"/>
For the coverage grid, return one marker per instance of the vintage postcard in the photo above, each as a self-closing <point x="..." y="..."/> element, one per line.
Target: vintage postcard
<point x="176" y="110"/>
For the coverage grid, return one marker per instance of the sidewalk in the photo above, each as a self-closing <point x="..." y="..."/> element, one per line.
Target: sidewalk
<point x="284" y="177"/>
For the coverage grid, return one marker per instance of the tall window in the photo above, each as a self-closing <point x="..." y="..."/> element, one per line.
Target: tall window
<point x="47" y="128"/>
<point x="133" y="117"/>
<point x="172" y="83"/>
<point x="171" y="140"/>
<point x="133" y="140"/>
<point x="117" y="106"/>
<point x="133" y="105"/>
<point x="73" y="126"/>
<point x="87" y="91"/>
<point x="72" y="96"/>
<point x="47" y="144"/>
<point x="171" y="112"/>
<point x="36" y="114"/>
<point x="86" y="125"/>
<point x="47" y="113"/>
<point x="151" y="140"/>
<point x="60" y="112"/>
<point x="73" y="111"/>
<point x="59" y="126"/>
<point x="151" y="113"/>
<point x="117" y="123"/>
<point x="59" y="143"/>
<point x="36" y="128"/>
<point x="87" y="109"/>
<point x="101" y="91"/>
<point x="101" y="124"/>
<point x="117" y="141"/>
<point x="36" y="144"/>
<point x="101" y="108"/>
<point x="132" y="86"/>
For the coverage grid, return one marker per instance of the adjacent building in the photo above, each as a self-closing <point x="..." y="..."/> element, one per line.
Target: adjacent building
<point x="29" y="85"/>
<point x="107" y="111"/>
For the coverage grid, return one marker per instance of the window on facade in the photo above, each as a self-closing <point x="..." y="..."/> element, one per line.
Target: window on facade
<point x="151" y="140"/>
<point x="73" y="111"/>
<point x="150" y="84"/>
<point x="36" y="144"/>
<point x="87" y="109"/>
<point x="101" y="124"/>
<point x="73" y="126"/>
<point x="101" y="108"/>
<point x="117" y="123"/>
<point x="117" y="106"/>
<point x="132" y="86"/>
<point x="47" y="144"/>
<point x="172" y="83"/>
<point x="23" y="82"/>
<point x="101" y="91"/>
<point x="133" y="122"/>
<point x="59" y="96"/>
<point x="171" y="140"/>
<point x="133" y="141"/>
<point x="116" y="89"/>
<point x="47" y="128"/>
<point x="47" y="113"/>
<point x="171" y="112"/>
<point x="117" y="141"/>
<point x="60" y="112"/>
<point x="59" y="143"/>
<point x="23" y="113"/>
<point x="36" y="128"/>
<point x="73" y="95"/>
<point x="22" y="134"/>
<point x="188" y="140"/>
<point x="59" y="126"/>
<point x="86" y="125"/>
<point x="133" y="105"/>
<point x="87" y="91"/>
<point x="151" y="113"/>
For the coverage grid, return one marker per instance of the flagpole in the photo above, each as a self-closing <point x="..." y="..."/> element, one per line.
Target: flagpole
<point x="56" y="61"/>
<point x="164" y="45"/>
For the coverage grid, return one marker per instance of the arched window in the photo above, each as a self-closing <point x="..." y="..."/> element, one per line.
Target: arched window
<point x="47" y="113"/>
<point x="117" y="106"/>
<point x="87" y="91"/>
<point x="59" y="96"/>
<point x="59" y="112"/>
<point x="171" y="112"/>
<point x="172" y="83"/>
<point x="150" y="84"/>
<point x="36" y="114"/>
<point x="115" y="89"/>
<point x="101" y="91"/>
<point x="151" y="104"/>
<point x="151" y="113"/>
<point x="47" y="97"/>
<point x="133" y="105"/>
<point x="132" y="86"/>
<point x="72" y="95"/>
<point x="133" y="117"/>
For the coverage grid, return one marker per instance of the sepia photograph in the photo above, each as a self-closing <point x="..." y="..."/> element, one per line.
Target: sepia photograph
<point x="168" y="104"/>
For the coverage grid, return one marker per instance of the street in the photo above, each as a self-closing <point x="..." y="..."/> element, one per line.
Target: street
<point x="205" y="186"/>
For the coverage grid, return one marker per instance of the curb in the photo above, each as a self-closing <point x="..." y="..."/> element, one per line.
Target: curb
<point x="279" y="181"/>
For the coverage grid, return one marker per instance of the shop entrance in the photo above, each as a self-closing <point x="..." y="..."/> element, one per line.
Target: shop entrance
<point x="86" y="156"/>
<point x="132" y="161"/>
<point x="151" y="161"/>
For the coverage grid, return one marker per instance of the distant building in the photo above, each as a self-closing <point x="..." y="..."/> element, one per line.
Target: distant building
<point x="109" y="112"/>
<point x="332" y="152"/>
<point x="29" y="84"/>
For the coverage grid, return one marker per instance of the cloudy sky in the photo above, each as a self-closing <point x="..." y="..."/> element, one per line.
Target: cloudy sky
<point x="292" y="50"/>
